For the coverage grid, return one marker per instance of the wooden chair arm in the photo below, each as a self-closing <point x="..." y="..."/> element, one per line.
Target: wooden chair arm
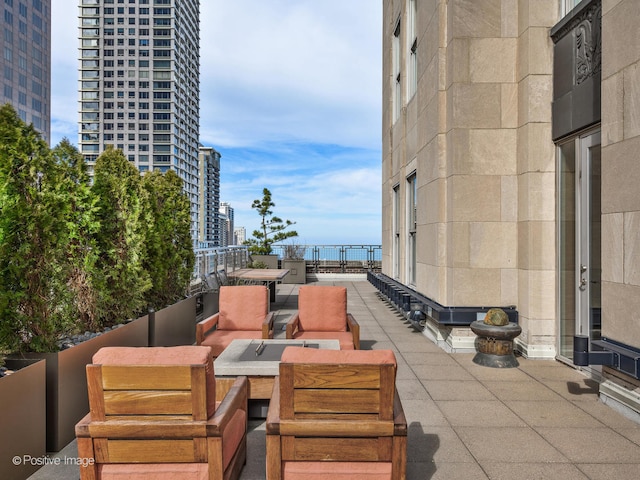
<point x="354" y="327"/>
<point x="399" y="419"/>
<point x="267" y="325"/>
<point x="292" y="325"/>
<point x="235" y="399"/>
<point x="273" y="414"/>
<point x="82" y="427"/>
<point x="204" y="326"/>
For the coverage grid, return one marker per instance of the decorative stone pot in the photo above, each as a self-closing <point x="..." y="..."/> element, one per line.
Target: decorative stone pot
<point x="495" y="344"/>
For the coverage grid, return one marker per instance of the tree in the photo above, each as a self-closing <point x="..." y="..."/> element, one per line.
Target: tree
<point x="34" y="240"/>
<point x="271" y="227"/>
<point x="169" y="257"/>
<point x="122" y="282"/>
<point x="82" y="225"/>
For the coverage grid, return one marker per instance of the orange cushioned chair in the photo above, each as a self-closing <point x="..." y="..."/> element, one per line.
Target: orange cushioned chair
<point x="244" y="313"/>
<point x="335" y="414"/>
<point x="322" y="315"/>
<point x="154" y="415"/>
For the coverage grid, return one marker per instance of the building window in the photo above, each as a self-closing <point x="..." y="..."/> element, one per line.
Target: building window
<point x="412" y="37"/>
<point x="412" y="227"/>
<point x="395" y="231"/>
<point x="397" y="87"/>
<point x="567" y="5"/>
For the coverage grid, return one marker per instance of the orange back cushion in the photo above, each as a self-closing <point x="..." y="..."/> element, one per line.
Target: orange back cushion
<point x="337" y="357"/>
<point x="243" y="307"/>
<point x="323" y="308"/>
<point x="181" y="355"/>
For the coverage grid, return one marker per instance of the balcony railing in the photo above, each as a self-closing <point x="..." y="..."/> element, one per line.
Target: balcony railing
<point x="337" y="258"/>
<point x="319" y="258"/>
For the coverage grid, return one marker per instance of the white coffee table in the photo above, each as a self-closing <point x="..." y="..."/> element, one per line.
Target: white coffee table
<point x="258" y="361"/>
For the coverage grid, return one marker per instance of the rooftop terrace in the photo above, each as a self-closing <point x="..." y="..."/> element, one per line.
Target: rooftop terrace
<point x="540" y="420"/>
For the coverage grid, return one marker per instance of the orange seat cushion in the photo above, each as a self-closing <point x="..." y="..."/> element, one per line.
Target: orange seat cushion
<point x="313" y="355"/>
<point x="322" y="308"/>
<point x="154" y="471"/>
<point x="345" y="338"/>
<point x="337" y="471"/>
<point x="181" y="355"/>
<point x="243" y="307"/>
<point x="218" y="340"/>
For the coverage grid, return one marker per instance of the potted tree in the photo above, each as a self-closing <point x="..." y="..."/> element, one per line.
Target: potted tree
<point x="271" y="230"/>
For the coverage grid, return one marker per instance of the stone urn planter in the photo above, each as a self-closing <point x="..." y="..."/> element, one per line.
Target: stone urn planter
<point x="23" y="432"/>
<point x="495" y="340"/>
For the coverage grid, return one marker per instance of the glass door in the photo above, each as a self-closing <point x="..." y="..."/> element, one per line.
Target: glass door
<point x="579" y="248"/>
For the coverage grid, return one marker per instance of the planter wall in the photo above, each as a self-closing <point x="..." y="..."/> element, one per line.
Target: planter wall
<point x="67" y="397"/>
<point x="297" y="271"/>
<point x="210" y="304"/>
<point x="23" y="410"/>
<point x="271" y="261"/>
<point x="174" y="325"/>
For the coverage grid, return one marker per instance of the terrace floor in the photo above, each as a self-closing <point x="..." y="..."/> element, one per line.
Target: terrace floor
<point x="540" y="420"/>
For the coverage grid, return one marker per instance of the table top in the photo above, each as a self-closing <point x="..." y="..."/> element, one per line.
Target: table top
<point x="260" y="274"/>
<point x="231" y="362"/>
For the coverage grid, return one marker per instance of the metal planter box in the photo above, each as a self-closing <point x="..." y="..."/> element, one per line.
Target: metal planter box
<point x="23" y="432"/>
<point x="66" y="385"/>
<point x="174" y="325"/>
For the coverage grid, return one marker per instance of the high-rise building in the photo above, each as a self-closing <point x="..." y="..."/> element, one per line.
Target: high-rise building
<point x="227" y="210"/>
<point x="139" y="85"/>
<point x="510" y="173"/>
<point x="209" y="210"/>
<point x="239" y="235"/>
<point x="25" y="61"/>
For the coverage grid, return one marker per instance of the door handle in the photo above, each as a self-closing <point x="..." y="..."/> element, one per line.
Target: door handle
<point x="583" y="281"/>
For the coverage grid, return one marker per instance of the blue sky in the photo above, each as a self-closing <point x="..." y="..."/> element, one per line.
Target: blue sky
<point x="290" y="95"/>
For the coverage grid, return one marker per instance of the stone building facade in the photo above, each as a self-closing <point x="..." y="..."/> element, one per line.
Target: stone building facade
<point x="509" y="175"/>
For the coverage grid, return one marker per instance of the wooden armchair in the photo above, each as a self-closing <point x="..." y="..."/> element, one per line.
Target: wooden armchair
<point x="154" y="415"/>
<point x="322" y="314"/>
<point x="336" y="414"/>
<point x="244" y="313"/>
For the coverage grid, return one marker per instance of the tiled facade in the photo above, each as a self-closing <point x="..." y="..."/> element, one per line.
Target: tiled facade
<point x="477" y="136"/>
<point x="25" y="61"/>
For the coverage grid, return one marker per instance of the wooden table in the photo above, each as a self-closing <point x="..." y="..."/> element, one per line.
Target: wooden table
<point x="269" y="276"/>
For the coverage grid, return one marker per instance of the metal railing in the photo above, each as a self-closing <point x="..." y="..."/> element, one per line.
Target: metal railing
<point x="319" y="258"/>
<point x="337" y="258"/>
<point x="213" y="259"/>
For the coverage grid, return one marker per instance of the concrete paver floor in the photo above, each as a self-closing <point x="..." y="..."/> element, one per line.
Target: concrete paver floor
<point x="541" y="420"/>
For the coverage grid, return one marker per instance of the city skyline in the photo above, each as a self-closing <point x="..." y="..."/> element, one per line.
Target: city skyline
<point x="301" y="118"/>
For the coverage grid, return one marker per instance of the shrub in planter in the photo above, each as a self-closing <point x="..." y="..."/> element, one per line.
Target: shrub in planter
<point x="169" y="256"/>
<point x="34" y="239"/>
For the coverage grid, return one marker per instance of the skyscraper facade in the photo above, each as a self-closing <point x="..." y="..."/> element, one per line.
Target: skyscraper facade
<point x="208" y="222"/>
<point x="139" y="85"/>
<point x="227" y="210"/>
<point x="25" y="61"/>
